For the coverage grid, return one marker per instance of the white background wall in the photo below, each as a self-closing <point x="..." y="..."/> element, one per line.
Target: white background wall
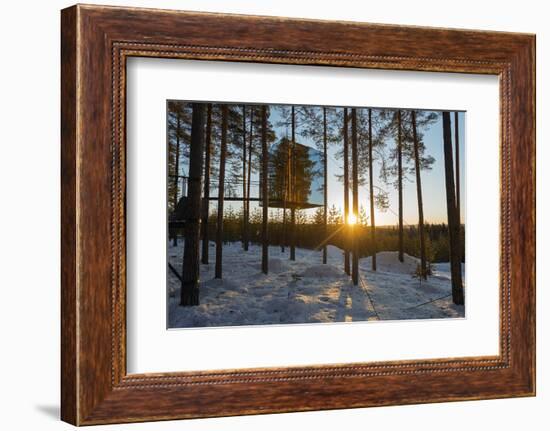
<point x="29" y="219"/>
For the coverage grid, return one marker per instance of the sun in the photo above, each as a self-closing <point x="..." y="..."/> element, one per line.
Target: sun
<point x="352" y="219"/>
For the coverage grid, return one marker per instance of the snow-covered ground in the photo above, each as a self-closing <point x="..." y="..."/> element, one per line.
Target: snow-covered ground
<point x="306" y="291"/>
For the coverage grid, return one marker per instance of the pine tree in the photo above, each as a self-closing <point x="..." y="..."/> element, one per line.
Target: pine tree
<point x="319" y="216"/>
<point x="265" y="197"/>
<point x="371" y="144"/>
<point x="399" y="164"/>
<point x="334" y="216"/>
<point x="355" y="199"/>
<point x="424" y="118"/>
<point x="320" y="124"/>
<point x="325" y="181"/>
<point x="345" y="155"/>
<point x="244" y="178"/>
<point x="292" y="187"/>
<point x="400" y="182"/>
<point x="395" y="165"/>
<point x="457" y="174"/>
<point x="423" y="265"/>
<point x="190" y="276"/>
<point x="452" y="214"/>
<point x="363" y="219"/>
<point x="206" y="200"/>
<point x="457" y="168"/>
<point x="248" y="180"/>
<point x="221" y="194"/>
<point x="371" y="194"/>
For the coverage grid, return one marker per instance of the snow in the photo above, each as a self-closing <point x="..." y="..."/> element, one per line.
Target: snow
<point x="323" y="271"/>
<point x="306" y="291"/>
<point x="388" y="261"/>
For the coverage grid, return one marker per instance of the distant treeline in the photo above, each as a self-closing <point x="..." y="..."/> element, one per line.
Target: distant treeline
<point x="310" y="231"/>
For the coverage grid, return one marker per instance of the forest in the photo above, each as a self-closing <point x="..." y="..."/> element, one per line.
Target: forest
<point x="312" y="178"/>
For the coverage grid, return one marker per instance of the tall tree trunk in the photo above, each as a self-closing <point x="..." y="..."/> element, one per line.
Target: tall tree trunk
<point x="423" y="266"/>
<point x="452" y="219"/>
<point x="325" y="173"/>
<point x="176" y="175"/>
<point x="371" y="190"/>
<point x="206" y="200"/>
<point x="457" y="163"/>
<point x="265" y="197"/>
<point x="191" y="264"/>
<point x="292" y="190"/>
<point x="244" y="174"/>
<point x="283" y="233"/>
<point x="400" y="185"/>
<point x="221" y="190"/>
<point x="355" y="197"/>
<point x="248" y="176"/>
<point x="284" y="197"/>
<point x="346" y="193"/>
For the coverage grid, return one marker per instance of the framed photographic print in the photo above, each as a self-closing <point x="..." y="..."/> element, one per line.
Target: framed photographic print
<point x="268" y="215"/>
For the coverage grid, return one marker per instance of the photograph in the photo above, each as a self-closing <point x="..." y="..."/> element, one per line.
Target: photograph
<point x="299" y="214"/>
<point x="326" y="208"/>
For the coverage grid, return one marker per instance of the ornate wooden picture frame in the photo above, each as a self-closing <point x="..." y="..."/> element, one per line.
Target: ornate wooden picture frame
<point x="96" y="41"/>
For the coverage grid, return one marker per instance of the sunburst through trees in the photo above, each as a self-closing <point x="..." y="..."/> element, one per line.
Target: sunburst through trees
<point x="315" y="203"/>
